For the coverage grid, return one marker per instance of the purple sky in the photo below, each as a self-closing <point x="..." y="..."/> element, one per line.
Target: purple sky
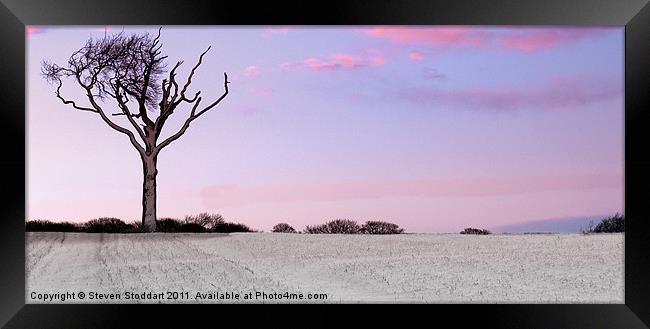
<point x="435" y="129"/>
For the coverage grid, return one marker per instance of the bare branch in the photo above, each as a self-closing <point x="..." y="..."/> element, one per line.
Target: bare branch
<point x="225" y="87"/>
<point x="96" y="109"/>
<point x="193" y="115"/>
<point x="113" y="124"/>
<point x="127" y="113"/>
<point x="136" y="115"/>
<point x="142" y="111"/>
<point x="155" y="41"/>
<point x="167" y="104"/>
<point x="166" y="88"/>
<point x="195" y="97"/>
<point x="68" y="102"/>
<point x="180" y="132"/>
<point x="129" y="69"/>
<point x="189" y="78"/>
<point x="172" y="82"/>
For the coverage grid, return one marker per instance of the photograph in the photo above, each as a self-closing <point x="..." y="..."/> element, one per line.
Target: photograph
<point x="434" y="164"/>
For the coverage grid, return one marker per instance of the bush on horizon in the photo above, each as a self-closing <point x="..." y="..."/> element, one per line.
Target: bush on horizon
<point x="316" y="229"/>
<point x="611" y="224"/>
<point x="283" y="228"/>
<point x="231" y="228"/>
<point x="168" y="225"/>
<point x="337" y="226"/>
<point x="191" y="228"/>
<point x="346" y="226"/>
<point x="207" y="220"/>
<point x="105" y="225"/>
<point x="476" y="231"/>
<point x="49" y="226"/>
<point x="379" y="227"/>
<point x="203" y="222"/>
<point x="134" y="227"/>
<point x="192" y="224"/>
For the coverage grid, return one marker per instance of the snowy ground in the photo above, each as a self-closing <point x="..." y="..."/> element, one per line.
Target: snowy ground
<point x="436" y="268"/>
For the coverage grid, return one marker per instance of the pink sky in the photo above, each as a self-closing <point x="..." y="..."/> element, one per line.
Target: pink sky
<point x="433" y="128"/>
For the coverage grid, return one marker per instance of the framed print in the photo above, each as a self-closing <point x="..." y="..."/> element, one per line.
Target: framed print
<point x="481" y="157"/>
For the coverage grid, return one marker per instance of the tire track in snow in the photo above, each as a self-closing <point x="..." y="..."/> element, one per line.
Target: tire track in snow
<point x="433" y="268"/>
<point x="37" y="248"/>
<point x="69" y="265"/>
<point x="211" y="271"/>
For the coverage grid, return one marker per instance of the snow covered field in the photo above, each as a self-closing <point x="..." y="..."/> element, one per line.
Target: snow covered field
<point x="436" y="268"/>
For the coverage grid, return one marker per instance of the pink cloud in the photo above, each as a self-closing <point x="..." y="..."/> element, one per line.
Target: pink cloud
<point x="342" y="61"/>
<point x="264" y="94"/>
<point x="335" y="62"/>
<point x="233" y="195"/>
<point x="416" y="56"/>
<point x="277" y="31"/>
<point x="560" y="93"/>
<point x="367" y="58"/>
<point x="354" y="96"/>
<point x="531" y="40"/>
<point x="432" y="74"/>
<point x="456" y="37"/>
<point x="514" y="39"/>
<point x="316" y="64"/>
<point x="251" y="72"/>
<point x="104" y="29"/>
<point x="245" y="109"/>
<point x="377" y="61"/>
<point x="32" y="31"/>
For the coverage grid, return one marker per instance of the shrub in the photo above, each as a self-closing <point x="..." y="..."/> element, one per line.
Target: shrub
<point x="477" y="231"/>
<point x="195" y="224"/>
<point x="231" y="228"/>
<point x="208" y="221"/>
<point x="48" y="226"/>
<point x="343" y="226"/>
<point x="378" y="227"/>
<point x="317" y="229"/>
<point x="283" y="228"/>
<point x="191" y="227"/>
<point x="105" y="225"/>
<point x="134" y="227"/>
<point x="611" y="224"/>
<point x="168" y="225"/>
<point x="203" y="222"/>
<point x="338" y="226"/>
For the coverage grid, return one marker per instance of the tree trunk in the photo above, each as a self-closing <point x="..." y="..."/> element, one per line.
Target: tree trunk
<point x="149" y="193"/>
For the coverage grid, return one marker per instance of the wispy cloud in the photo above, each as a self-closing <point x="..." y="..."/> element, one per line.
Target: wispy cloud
<point x="515" y="39"/>
<point x="105" y="29"/>
<point x="247" y="110"/>
<point x="277" y="31"/>
<point x="235" y="195"/>
<point x="251" y="72"/>
<point x="371" y="58"/>
<point x="560" y="93"/>
<point x="456" y="37"/>
<point x="541" y="39"/>
<point x="334" y="62"/>
<point x="33" y="31"/>
<point x="432" y="74"/>
<point x="262" y="93"/>
<point x="416" y="56"/>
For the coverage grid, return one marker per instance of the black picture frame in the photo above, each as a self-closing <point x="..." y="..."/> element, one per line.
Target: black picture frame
<point x="633" y="14"/>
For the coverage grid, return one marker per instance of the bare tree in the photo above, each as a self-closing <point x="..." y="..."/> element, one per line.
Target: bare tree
<point x="125" y="71"/>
